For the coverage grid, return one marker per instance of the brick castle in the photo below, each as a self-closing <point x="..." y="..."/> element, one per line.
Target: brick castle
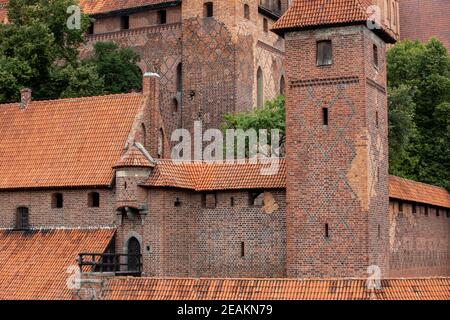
<point x="93" y="177"/>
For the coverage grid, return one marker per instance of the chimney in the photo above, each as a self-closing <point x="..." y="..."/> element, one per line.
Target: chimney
<point x="150" y="83"/>
<point x="25" y="98"/>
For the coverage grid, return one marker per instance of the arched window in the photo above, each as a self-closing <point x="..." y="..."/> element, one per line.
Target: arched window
<point x="179" y="83"/>
<point x="134" y="254"/>
<point x="144" y="135"/>
<point x="259" y="88"/>
<point x="208" y="9"/>
<point x="256" y="198"/>
<point x="246" y="11"/>
<point x="160" y="151"/>
<point x="94" y="199"/>
<point x="22" y="218"/>
<point x="57" y="200"/>
<point x="282" y="85"/>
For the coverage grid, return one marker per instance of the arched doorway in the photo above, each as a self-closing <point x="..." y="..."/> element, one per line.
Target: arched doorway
<point x="134" y="251"/>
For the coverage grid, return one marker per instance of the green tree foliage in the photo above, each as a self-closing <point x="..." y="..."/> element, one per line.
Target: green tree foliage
<point x="419" y="76"/>
<point x="39" y="51"/>
<point x="118" y="67"/>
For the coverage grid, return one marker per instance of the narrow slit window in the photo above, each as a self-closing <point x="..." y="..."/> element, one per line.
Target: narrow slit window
<point x="379" y="232"/>
<point x="324" y="53"/>
<point x="414" y="208"/>
<point x="208" y="9"/>
<point x="247" y="11"/>
<point x="437" y="212"/>
<point x="265" y="25"/>
<point x="232" y="201"/>
<point x="91" y="28"/>
<point x="124" y="22"/>
<point x="375" y="55"/>
<point x="327" y="231"/>
<point x="242" y="249"/>
<point x="325" y="116"/>
<point x="400" y="206"/>
<point x="426" y="211"/>
<point x="376" y="118"/>
<point x="162" y="17"/>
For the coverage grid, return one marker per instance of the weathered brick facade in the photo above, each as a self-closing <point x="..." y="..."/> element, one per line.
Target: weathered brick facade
<point x="423" y="19"/>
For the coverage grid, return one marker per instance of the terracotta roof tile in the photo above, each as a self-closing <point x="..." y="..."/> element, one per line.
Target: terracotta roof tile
<point x="305" y="14"/>
<point x="222" y="176"/>
<point x="127" y="288"/>
<point x="64" y="143"/>
<point x="103" y="6"/>
<point x="404" y="189"/>
<point x="34" y="264"/>
<point x="216" y="176"/>
<point x="134" y="157"/>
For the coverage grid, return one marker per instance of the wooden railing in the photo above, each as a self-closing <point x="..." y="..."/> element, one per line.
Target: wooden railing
<point x="119" y="264"/>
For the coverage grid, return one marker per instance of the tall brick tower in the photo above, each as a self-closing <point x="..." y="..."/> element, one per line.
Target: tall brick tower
<point x="337" y="148"/>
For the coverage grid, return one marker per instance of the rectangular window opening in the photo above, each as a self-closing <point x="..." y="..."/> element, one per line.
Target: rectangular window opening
<point x="242" y="249"/>
<point x="162" y="17"/>
<point x="324" y="53"/>
<point x="124" y="22"/>
<point x="325" y="116"/>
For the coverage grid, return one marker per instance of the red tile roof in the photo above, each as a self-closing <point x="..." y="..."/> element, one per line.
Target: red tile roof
<point x="274" y="289"/>
<point x="305" y="14"/>
<point x="34" y="264"/>
<point x="404" y="189"/>
<point x="216" y="176"/>
<point x="103" y="6"/>
<point x="64" y="143"/>
<point x="3" y="11"/>
<point x="222" y="176"/>
<point x="134" y="157"/>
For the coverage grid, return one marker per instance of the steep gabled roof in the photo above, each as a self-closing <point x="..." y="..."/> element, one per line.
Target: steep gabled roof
<point x="121" y="288"/>
<point x="305" y="14"/>
<point x="35" y="264"/>
<point x="135" y="157"/>
<point x="64" y="143"/>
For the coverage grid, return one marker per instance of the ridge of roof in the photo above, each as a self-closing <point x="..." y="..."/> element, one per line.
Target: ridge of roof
<point x="135" y="156"/>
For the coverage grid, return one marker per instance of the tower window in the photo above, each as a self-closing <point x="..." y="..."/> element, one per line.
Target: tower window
<point x="414" y="208"/>
<point x="324" y="53"/>
<point x="177" y="202"/>
<point x="259" y="88"/>
<point x="57" y="200"/>
<point x="325" y="116"/>
<point x="162" y="17"/>
<point x="265" y="25"/>
<point x="426" y="211"/>
<point x="22" y="218"/>
<point x="124" y="22"/>
<point x="327" y="231"/>
<point x="94" y="199"/>
<point x="246" y="11"/>
<point x="379" y="232"/>
<point x="448" y="213"/>
<point x="208" y="9"/>
<point x="437" y="212"/>
<point x="282" y="85"/>
<point x="242" y="249"/>
<point x="375" y="56"/>
<point x="376" y="118"/>
<point x="232" y="202"/>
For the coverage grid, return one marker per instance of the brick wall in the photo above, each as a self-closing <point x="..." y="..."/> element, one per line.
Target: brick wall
<point x="419" y="242"/>
<point x="75" y="211"/>
<point x="423" y="19"/>
<point x="337" y="174"/>
<point x="191" y="240"/>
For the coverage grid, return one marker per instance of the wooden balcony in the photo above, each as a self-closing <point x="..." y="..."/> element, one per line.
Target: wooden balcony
<point x="119" y="264"/>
